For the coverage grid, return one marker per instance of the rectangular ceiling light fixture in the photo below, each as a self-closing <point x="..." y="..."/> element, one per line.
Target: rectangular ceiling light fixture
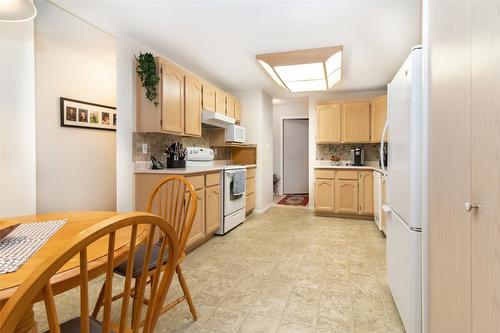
<point x="304" y="70"/>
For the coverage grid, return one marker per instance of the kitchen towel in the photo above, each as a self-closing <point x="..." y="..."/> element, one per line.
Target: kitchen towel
<point x="239" y="182"/>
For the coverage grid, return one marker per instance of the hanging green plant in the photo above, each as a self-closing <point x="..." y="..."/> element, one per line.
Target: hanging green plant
<point x="146" y="69"/>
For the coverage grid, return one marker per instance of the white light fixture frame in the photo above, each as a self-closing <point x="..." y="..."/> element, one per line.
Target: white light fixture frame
<point x="297" y="71"/>
<point x="15" y="11"/>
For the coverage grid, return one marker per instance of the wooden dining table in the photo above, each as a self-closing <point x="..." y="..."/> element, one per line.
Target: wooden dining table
<point x="68" y="276"/>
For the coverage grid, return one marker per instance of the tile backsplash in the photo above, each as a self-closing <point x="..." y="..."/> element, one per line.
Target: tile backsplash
<point x="324" y="152"/>
<point x="157" y="141"/>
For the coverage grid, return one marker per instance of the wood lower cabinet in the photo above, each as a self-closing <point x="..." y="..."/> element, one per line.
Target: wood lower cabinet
<point x="324" y="190"/>
<point x="250" y="190"/>
<point x="212" y="208"/>
<point x="208" y="214"/>
<point x="378" y="116"/>
<point x="346" y="196"/>
<point x="198" y="229"/>
<point x="192" y="108"/>
<point x="366" y="192"/>
<point x="355" y="122"/>
<point x="344" y="191"/>
<point x="328" y="123"/>
<point x="172" y="99"/>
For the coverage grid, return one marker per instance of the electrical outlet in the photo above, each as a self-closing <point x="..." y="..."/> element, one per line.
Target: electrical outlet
<point x="144" y="148"/>
<point x="215" y="151"/>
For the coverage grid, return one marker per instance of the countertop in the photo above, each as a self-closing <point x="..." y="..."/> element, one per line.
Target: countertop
<point x="181" y="171"/>
<point x="328" y="165"/>
<point x="141" y="168"/>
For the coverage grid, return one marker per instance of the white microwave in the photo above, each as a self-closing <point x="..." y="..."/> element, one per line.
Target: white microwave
<point x="235" y="133"/>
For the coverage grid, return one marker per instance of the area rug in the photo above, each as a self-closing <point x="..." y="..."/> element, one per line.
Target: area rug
<point x="295" y="200"/>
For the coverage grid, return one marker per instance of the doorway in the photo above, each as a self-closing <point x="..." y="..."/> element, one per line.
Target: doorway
<point x="295" y="156"/>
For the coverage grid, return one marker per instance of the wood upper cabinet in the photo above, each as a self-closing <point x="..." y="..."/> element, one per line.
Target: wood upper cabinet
<point x="237" y="111"/>
<point x="208" y="97"/>
<point x="346" y="196"/>
<point x="172" y="98"/>
<point x="198" y="229"/>
<point x="328" y="123"/>
<point x="192" y="107"/>
<point x="355" y="122"/>
<point x="212" y="208"/>
<point x="230" y="106"/>
<point x="366" y="192"/>
<point x="220" y="102"/>
<point x="325" y="194"/>
<point x="378" y="116"/>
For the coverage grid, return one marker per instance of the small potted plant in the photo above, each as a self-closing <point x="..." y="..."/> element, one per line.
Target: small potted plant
<point x="335" y="160"/>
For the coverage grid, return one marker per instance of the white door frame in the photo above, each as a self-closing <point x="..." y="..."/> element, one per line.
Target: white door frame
<point x="282" y="169"/>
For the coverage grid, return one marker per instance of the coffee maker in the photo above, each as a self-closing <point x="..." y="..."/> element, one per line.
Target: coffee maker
<point x="357" y="156"/>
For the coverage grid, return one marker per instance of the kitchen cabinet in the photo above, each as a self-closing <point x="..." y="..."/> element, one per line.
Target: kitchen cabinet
<point x="192" y="109"/>
<point x="237" y="111"/>
<point x="220" y="102"/>
<point x="378" y="116"/>
<point x="208" y="214"/>
<point x="366" y="192"/>
<point x="212" y="208"/>
<point x="197" y="232"/>
<point x="181" y="97"/>
<point x="325" y="193"/>
<point x="346" y="196"/>
<point x="346" y="191"/>
<point x="208" y="97"/>
<point x="250" y="190"/>
<point x="328" y="123"/>
<point x="230" y="106"/>
<point x="355" y="122"/>
<point x="172" y="98"/>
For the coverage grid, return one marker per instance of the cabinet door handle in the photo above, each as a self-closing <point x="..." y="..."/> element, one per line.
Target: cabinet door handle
<point x="469" y="206"/>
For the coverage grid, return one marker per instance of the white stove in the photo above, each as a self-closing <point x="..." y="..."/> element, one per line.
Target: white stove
<point x="233" y="187"/>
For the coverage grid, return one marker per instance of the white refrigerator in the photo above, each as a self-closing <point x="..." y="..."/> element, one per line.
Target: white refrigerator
<point x="404" y="190"/>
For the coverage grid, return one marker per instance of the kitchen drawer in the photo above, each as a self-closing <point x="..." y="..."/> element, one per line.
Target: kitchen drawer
<point x="250" y="203"/>
<point x="324" y="174"/>
<point x="250" y="186"/>
<point x="347" y="174"/>
<point x="198" y="182"/>
<point x="212" y="179"/>
<point x="251" y="172"/>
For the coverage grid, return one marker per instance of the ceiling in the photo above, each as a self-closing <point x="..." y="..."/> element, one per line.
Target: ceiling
<point x="218" y="39"/>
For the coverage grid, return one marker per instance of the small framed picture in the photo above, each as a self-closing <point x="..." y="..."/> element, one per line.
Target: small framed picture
<point x="75" y="113"/>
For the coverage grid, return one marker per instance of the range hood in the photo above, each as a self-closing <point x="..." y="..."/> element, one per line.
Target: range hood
<point x="216" y="119"/>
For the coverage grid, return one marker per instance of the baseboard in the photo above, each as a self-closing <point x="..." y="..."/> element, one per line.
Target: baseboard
<point x="263" y="210"/>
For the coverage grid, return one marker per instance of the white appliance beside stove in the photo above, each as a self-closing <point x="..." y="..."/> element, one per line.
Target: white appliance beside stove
<point x="233" y="187"/>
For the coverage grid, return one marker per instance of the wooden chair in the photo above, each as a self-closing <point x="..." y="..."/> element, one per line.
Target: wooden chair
<point x="174" y="199"/>
<point x="39" y="282"/>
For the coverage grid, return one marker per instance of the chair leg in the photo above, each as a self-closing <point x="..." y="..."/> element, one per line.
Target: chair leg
<point x="185" y="290"/>
<point x="99" y="302"/>
<point x="134" y="298"/>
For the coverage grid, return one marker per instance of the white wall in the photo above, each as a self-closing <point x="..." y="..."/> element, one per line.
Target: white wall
<point x="76" y="168"/>
<point x="282" y="109"/>
<point x="126" y="102"/>
<point x="313" y="101"/>
<point x="17" y="120"/>
<point x="256" y="117"/>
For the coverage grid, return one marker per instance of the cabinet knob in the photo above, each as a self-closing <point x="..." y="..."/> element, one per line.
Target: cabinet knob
<point x="468" y="206"/>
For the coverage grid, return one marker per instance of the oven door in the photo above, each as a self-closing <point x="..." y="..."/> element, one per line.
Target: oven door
<point x="231" y="203"/>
